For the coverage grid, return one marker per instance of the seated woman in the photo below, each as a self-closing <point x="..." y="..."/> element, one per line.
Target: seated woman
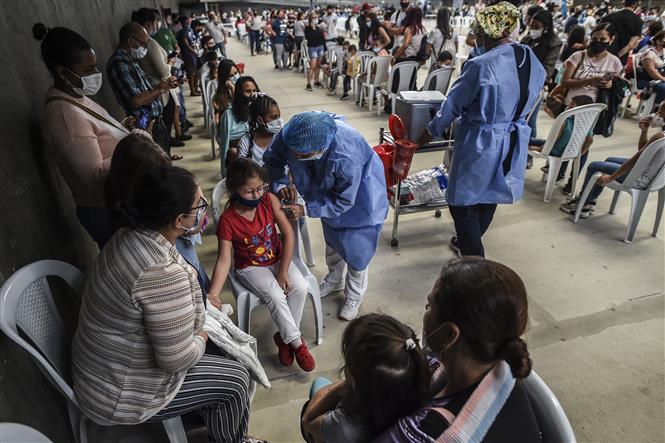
<point x="264" y="122"/>
<point x="474" y="319"/>
<point x="387" y="376"/>
<point x="244" y="89"/>
<point x="617" y="168"/>
<point x="652" y="66"/>
<point x="229" y="131"/>
<point x="133" y="157"/>
<point x="138" y="352"/>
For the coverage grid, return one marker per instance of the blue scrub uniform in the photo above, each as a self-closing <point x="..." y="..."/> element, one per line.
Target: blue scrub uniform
<point x="346" y="188"/>
<point x="483" y="102"/>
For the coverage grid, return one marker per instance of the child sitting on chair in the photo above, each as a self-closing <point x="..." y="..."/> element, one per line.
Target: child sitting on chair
<point x="264" y="123"/>
<point x="562" y="139"/>
<point x="261" y="262"/>
<point x="444" y="60"/>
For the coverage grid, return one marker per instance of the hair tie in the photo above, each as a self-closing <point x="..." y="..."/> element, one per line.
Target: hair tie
<point x="410" y="344"/>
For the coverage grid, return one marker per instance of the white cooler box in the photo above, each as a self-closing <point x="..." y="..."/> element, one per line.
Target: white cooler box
<point x="416" y="109"/>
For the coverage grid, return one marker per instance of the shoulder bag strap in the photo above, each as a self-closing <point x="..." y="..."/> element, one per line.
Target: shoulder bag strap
<point x="88" y="110"/>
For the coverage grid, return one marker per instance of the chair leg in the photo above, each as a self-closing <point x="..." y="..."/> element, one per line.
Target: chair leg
<point x="175" y="430"/>
<point x="76" y="421"/>
<point x="307" y="245"/>
<point x="244" y="312"/>
<point x="553" y="171"/>
<point x="659" y="211"/>
<point x="639" y="199"/>
<point x="392" y="107"/>
<point x="315" y="296"/>
<point x="575" y="176"/>
<point x="379" y="102"/>
<point x="585" y="194"/>
<point x="83" y="430"/>
<point x="613" y="205"/>
<point x="370" y="95"/>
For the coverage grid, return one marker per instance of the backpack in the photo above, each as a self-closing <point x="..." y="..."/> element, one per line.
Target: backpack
<point x="422" y="51"/>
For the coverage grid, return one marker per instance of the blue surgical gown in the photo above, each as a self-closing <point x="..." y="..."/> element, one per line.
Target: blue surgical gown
<point x="483" y="101"/>
<point x="346" y="188"/>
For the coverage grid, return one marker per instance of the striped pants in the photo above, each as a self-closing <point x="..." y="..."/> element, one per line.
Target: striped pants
<point x="218" y="388"/>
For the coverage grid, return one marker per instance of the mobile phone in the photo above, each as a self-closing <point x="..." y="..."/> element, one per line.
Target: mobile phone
<point x="143" y="120"/>
<point x="181" y="77"/>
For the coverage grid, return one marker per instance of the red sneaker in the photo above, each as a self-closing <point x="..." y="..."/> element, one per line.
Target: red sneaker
<point x="285" y="354"/>
<point x="304" y="358"/>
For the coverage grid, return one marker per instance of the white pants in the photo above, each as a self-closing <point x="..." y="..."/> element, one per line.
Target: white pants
<point x="285" y="309"/>
<point x="356" y="281"/>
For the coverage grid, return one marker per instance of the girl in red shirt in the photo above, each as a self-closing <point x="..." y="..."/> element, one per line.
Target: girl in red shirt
<point x="261" y="262"/>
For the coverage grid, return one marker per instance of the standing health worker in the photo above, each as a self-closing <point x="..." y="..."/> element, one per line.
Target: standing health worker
<point x="342" y="182"/>
<point x="491" y="135"/>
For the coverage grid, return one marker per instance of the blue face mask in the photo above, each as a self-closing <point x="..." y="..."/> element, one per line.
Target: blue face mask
<point x="480" y="50"/>
<point x="249" y="203"/>
<point x="314" y="157"/>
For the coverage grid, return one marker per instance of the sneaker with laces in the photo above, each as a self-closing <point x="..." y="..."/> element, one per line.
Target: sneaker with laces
<point x="327" y="287"/>
<point x="303" y="357"/>
<point x="344" y="97"/>
<point x="318" y="84"/>
<point x="454" y="245"/>
<point x="308" y="87"/>
<point x="285" y="353"/>
<point x="350" y="309"/>
<point x="570" y="206"/>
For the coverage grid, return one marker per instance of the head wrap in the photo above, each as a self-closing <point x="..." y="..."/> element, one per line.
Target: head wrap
<point x="309" y="132"/>
<point x="497" y="21"/>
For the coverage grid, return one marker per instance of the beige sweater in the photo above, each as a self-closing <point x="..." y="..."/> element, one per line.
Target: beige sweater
<point x="136" y="339"/>
<point x="81" y="145"/>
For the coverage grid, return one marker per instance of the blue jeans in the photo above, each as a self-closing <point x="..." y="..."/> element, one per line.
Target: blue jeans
<point x="533" y="120"/>
<point x="609" y="166"/>
<point x="182" y="111"/>
<point x="254" y="43"/>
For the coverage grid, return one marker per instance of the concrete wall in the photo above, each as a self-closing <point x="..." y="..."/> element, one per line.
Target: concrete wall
<point x="37" y="211"/>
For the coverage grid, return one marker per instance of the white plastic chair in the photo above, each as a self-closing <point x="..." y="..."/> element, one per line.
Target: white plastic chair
<point x="26" y="303"/>
<point x="645" y="106"/>
<point x="18" y="433"/>
<point x="638" y="196"/>
<point x="364" y="57"/>
<point x="210" y="90"/>
<point x="407" y="79"/>
<point x="551" y="417"/>
<point x="372" y="83"/>
<point x="246" y="301"/>
<point x="304" y="57"/>
<point x="585" y="119"/>
<point x="438" y="80"/>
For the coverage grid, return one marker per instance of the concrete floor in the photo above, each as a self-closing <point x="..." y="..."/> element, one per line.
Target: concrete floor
<point x="596" y="304"/>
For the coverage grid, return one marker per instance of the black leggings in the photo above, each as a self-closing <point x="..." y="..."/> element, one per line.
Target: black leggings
<point x="471" y="223"/>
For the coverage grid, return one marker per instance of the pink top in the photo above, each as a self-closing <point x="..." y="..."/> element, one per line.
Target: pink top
<point x="81" y="145"/>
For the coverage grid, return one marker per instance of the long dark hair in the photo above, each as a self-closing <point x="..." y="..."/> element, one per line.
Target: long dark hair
<point x="224" y="71"/>
<point x="387" y="373"/>
<point x="240" y="103"/>
<point x="443" y="22"/>
<point x="488" y="303"/>
<point x="240" y="172"/>
<point x="414" y="20"/>
<point x="60" y="46"/>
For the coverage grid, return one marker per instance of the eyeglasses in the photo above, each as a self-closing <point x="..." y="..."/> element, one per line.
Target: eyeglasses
<point x="201" y="207"/>
<point x="258" y="191"/>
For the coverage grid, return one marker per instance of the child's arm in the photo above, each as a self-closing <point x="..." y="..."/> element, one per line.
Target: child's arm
<point x="286" y="229"/>
<point x="587" y="144"/>
<point x="325" y="399"/>
<point x="221" y="271"/>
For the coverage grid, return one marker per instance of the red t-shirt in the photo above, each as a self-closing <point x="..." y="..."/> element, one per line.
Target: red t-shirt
<point x="255" y="243"/>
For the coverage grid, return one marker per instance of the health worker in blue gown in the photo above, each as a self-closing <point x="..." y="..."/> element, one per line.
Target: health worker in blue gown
<point x="342" y="182"/>
<point x="489" y="104"/>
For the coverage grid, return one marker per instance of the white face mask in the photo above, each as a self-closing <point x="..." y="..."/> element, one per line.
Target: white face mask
<point x="275" y="126"/>
<point x="235" y="77"/>
<point x="317" y="156"/>
<point x="535" y="33"/>
<point x="656" y="121"/>
<point x="91" y="84"/>
<point x="138" y="53"/>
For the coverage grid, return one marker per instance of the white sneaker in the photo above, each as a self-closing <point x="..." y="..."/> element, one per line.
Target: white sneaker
<point x="350" y="309"/>
<point x="326" y="288"/>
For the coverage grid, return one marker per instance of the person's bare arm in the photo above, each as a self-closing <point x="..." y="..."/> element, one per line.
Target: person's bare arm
<point x="649" y="66"/>
<point x="147" y="97"/>
<point x="570" y="83"/>
<point x="630" y="163"/>
<point x="221" y="272"/>
<point x="402" y="49"/>
<point x="384" y="39"/>
<point x="325" y="399"/>
<point x="288" y="241"/>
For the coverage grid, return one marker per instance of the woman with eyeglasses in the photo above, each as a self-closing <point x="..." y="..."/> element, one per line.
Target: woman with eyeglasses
<point x="139" y="351"/>
<point x="247" y="233"/>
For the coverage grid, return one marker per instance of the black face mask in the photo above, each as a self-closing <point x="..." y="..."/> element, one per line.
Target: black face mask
<point x="404" y="5"/>
<point x="596" y="47"/>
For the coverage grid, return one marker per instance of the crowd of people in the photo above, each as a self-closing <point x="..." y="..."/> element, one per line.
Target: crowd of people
<point x="146" y="295"/>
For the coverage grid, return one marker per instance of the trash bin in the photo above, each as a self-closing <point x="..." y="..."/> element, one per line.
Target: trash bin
<point x="404" y="150"/>
<point x="386" y="152"/>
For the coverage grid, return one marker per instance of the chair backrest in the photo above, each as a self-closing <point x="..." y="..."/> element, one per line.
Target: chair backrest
<point x="655" y="152"/>
<point x="365" y="57"/>
<point x="210" y="90"/>
<point x="551" y="417"/>
<point x="304" y="51"/>
<point x="439" y="80"/>
<point x="636" y="62"/>
<point x="216" y="203"/>
<point x="407" y="76"/>
<point x="381" y="66"/>
<point x="26" y="303"/>
<point x="585" y="118"/>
